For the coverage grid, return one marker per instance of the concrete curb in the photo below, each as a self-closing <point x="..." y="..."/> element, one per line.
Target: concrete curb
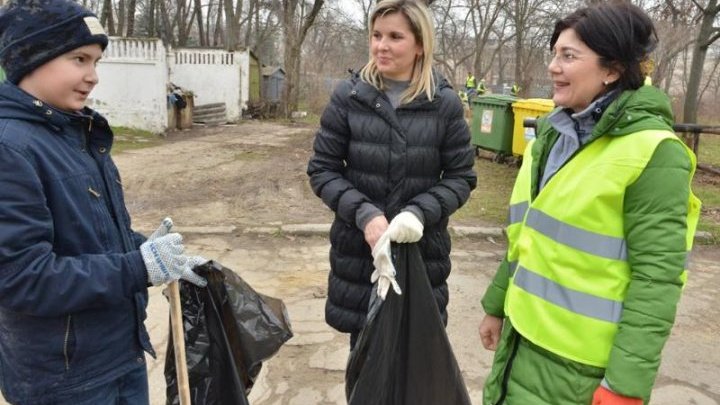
<point x="308" y="230"/>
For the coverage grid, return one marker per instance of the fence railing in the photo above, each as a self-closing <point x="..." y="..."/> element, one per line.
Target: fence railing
<point x="692" y="130"/>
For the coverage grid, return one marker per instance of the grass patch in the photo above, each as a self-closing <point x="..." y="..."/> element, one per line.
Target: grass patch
<point x="709" y="149"/>
<point x="489" y="201"/>
<point x="310" y="119"/>
<point x="707" y="185"/>
<point x="130" y="138"/>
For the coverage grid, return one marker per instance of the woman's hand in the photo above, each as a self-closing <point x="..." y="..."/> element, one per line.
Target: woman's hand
<point x="374" y="229"/>
<point x="490" y="328"/>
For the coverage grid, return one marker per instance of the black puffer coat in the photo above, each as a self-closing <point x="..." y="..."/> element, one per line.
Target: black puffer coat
<point x="366" y="151"/>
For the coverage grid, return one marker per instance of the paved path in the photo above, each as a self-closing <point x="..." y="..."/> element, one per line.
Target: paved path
<point x="309" y="369"/>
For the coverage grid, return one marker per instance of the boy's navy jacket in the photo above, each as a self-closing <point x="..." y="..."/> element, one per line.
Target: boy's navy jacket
<point x="73" y="286"/>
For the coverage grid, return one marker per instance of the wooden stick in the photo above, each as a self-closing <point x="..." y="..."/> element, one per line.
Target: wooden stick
<point x="178" y="336"/>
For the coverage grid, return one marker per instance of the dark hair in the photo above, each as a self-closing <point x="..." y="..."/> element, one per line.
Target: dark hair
<point x="620" y="33"/>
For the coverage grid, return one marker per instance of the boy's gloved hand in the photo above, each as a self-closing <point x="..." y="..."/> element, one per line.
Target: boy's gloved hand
<point x="405" y="228"/>
<point x="604" y="396"/>
<point x="164" y="258"/>
<point x="163" y="229"/>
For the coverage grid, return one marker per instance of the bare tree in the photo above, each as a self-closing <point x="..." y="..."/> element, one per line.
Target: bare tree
<point x="295" y="27"/>
<point x="131" y="9"/>
<point x="453" y="37"/>
<point x="489" y="28"/>
<point x="120" y="11"/>
<point x="707" y="34"/>
<point x="232" y="26"/>
<point x="106" y="17"/>
<point x="202" y="39"/>
<point x="532" y="21"/>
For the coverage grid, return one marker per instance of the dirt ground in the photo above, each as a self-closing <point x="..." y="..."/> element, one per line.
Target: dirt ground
<point x="253" y="174"/>
<point x="248" y="174"/>
<point x="219" y="182"/>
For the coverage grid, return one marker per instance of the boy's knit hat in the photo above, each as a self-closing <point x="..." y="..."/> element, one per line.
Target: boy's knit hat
<point x="33" y="32"/>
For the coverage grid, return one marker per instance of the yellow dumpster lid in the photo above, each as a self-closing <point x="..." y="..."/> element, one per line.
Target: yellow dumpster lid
<point x="543" y="104"/>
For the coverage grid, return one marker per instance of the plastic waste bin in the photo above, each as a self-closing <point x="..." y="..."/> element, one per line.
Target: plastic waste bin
<point x="527" y="108"/>
<point x="492" y="123"/>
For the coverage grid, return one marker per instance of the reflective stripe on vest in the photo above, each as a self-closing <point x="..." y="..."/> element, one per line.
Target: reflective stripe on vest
<point x="569" y="270"/>
<point x="517" y="212"/>
<point x="590" y="242"/>
<point x="575" y="301"/>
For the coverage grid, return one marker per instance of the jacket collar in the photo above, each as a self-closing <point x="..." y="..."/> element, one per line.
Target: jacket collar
<point x="17" y="103"/>
<point x="371" y="96"/>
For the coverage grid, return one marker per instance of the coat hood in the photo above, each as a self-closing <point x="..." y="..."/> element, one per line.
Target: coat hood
<point x="637" y="110"/>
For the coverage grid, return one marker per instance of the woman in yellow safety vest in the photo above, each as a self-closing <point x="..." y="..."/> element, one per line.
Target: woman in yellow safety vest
<point x="601" y="220"/>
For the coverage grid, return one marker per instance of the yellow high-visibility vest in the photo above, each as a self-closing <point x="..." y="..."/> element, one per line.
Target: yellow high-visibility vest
<point x="470" y="82"/>
<point x="567" y="250"/>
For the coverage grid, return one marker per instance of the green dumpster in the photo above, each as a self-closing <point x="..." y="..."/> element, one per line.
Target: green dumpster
<point x="492" y="123"/>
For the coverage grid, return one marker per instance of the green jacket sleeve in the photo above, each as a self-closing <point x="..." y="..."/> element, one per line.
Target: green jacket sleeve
<point x="655" y="212"/>
<point x="493" y="301"/>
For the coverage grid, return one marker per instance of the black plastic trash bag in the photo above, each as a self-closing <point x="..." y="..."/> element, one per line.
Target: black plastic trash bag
<point x="403" y="355"/>
<point x="229" y="330"/>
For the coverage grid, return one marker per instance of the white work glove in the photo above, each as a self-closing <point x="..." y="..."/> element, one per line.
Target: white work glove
<point x="164" y="258"/>
<point x="405" y="228"/>
<point x="162" y="230"/>
<point x="384" y="273"/>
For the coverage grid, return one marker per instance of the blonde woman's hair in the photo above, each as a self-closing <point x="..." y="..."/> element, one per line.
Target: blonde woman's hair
<point x="421" y="25"/>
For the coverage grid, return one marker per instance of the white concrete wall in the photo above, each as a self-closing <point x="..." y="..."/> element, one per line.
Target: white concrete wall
<point x="133" y="84"/>
<point x="214" y="76"/>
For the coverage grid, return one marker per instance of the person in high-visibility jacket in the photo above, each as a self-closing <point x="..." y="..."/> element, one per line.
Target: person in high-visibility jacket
<point x="481" y="88"/>
<point x="515" y="89"/>
<point x="469" y="82"/>
<point x="463" y="96"/>
<point x="601" y="220"/>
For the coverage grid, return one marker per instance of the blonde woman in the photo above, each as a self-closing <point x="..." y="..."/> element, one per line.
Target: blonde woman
<point x="393" y="147"/>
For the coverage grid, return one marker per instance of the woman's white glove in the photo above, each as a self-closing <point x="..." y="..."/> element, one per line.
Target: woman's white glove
<point x="384" y="273"/>
<point x="164" y="258"/>
<point x="405" y="228"/>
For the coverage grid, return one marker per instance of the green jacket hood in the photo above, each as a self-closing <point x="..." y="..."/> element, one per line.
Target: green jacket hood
<point x="636" y="110"/>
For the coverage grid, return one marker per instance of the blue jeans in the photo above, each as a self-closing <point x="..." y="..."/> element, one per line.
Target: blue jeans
<point x="128" y="389"/>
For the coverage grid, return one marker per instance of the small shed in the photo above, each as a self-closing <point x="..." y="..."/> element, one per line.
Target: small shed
<point x="273" y="82"/>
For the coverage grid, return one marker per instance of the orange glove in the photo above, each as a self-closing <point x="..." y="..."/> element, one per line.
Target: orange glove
<point x="604" y="396"/>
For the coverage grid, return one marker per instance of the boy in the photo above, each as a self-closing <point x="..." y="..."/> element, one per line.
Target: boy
<point x="73" y="275"/>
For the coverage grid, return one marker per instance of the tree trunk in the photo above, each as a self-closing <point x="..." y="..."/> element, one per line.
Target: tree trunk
<point x="121" y="18"/>
<point x="231" y="28"/>
<point x="252" y="7"/>
<point x="295" y="32"/>
<point x="131" y="6"/>
<point x="151" y="28"/>
<point x="218" y="25"/>
<point x="707" y="34"/>
<point x="201" y="30"/>
<point x="106" y="18"/>
<point x="167" y="32"/>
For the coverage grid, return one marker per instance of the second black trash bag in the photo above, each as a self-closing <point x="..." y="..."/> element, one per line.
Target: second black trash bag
<point x="403" y="355"/>
<point x="230" y="329"/>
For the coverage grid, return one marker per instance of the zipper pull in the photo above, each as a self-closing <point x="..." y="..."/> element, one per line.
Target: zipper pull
<point x="90" y="124"/>
<point x="93" y="192"/>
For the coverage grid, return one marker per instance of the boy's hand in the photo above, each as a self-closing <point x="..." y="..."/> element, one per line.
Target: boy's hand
<point x="163" y="229"/>
<point x="165" y="261"/>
